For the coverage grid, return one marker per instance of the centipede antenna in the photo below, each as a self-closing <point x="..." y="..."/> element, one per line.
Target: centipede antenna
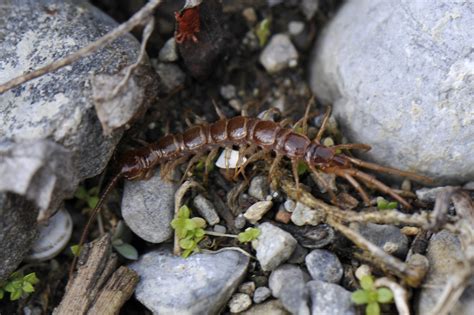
<point x="94" y="213"/>
<point x="352" y="146"/>
<point x="306" y="114"/>
<point x="389" y="170"/>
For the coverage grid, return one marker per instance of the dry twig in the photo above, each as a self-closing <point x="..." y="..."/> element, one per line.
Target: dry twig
<point x="400" y="295"/>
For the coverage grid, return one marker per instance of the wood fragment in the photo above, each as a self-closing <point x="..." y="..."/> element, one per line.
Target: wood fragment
<point x="95" y="285"/>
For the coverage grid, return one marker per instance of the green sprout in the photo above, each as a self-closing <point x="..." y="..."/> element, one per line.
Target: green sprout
<point x="76" y="250"/>
<point x="190" y="231"/>
<point x="383" y="204"/>
<point x="249" y="235"/>
<point x="19" y="285"/>
<point x="371" y="296"/>
<point x="90" y="197"/>
<point x="302" y="168"/>
<point x="120" y="244"/>
<point x="263" y="31"/>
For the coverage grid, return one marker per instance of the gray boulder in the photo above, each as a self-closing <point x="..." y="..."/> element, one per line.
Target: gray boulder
<point x="401" y="78"/>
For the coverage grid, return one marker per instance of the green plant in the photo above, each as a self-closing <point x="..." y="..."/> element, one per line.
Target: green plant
<point x="190" y="231"/>
<point x="302" y="168"/>
<point x="383" y="204"/>
<point x="263" y="31"/>
<point x="120" y="243"/>
<point x="90" y="197"/>
<point x="249" y="235"/>
<point x="371" y="296"/>
<point x="76" y="249"/>
<point x="19" y="285"/>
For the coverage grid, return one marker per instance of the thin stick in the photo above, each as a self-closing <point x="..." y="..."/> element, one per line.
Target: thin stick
<point x="141" y="17"/>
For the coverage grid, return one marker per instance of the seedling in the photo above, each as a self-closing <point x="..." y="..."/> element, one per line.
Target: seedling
<point x="263" y="31"/>
<point x="120" y="244"/>
<point x="19" y="285"/>
<point x="371" y="296"/>
<point x="190" y="232"/>
<point x="383" y="204"/>
<point x="90" y="197"/>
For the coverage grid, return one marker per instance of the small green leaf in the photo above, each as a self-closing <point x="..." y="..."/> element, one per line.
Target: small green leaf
<point x="359" y="297"/>
<point x="302" y="168"/>
<point x="92" y="201"/>
<point x="372" y="295"/>
<point x="248" y="235"/>
<point x="31" y="278"/>
<point x="382" y="203"/>
<point x="392" y="205"/>
<point x="76" y="250"/>
<point x="384" y="295"/>
<point x="81" y="193"/>
<point x="15" y="276"/>
<point x="263" y="31"/>
<point x="127" y="251"/>
<point x="372" y="309"/>
<point x="187" y="243"/>
<point x="28" y="287"/>
<point x="189" y="225"/>
<point x="184" y="212"/>
<point x="12" y="286"/>
<point x="15" y="295"/>
<point x="199" y="233"/>
<point x="199" y="222"/>
<point x="186" y="253"/>
<point x="2" y="293"/>
<point x="367" y="283"/>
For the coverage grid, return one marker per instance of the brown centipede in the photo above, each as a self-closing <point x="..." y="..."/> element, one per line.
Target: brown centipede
<point x="259" y="138"/>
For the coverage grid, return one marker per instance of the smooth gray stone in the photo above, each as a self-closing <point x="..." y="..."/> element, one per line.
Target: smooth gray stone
<point x="387" y="237"/>
<point x="17" y="231"/>
<point x="279" y="54"/>
<point x="330" y="299"/>
<point x="444" y="253"/>
<point x="288" y="284"/>
<point x="148" y="207"/>
<point x="323" y="265"/>
<point x="199" y="284"/>
<point x="400" y="78"/>
<point x="59" y="105"/>
<point x="206" y="209"/>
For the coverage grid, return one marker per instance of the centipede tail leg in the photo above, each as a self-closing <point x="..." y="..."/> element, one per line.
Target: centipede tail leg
<point x="389" y="170"/>
<point x="324" y="183"/>
<point x="379" y="185"/>
<point x="323" y="124"/>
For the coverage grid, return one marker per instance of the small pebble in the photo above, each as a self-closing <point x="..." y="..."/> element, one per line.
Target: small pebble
<point x="330" y="299"/>
<point x="303" y="215"/>
<point x="309" y="8"/>
<point x="247" y="288"/>
<point x="299" y="255"/>
<point x="324" y="265"/>
<point x="388" y="237"/>
<point x="240" y="222"/>
<point x="259" y="187"/>
<point x="206" y="209"/>
<point x="289" y="205"/>
<point x="363" y="270"/>
<point x="406" y="185"/>
<point x="170" y="74"/>
<point x="250" y="15"/>
<point x="168" y="53"/>
<point x="271" y="307"/>
<point x="239" y="302"/>
<point x="220" y="229"/>
<point x="273" y="246"/>
<point x="257" y="211"/>
<point x="279" y="54"/>
<point x="261" y="294"/>
<point x="228" y="91"/>
<point x="295" y="27"/>
<point x="410" y="230"/>
<point x="236" y="104"/>
<point x="283" y="216"/>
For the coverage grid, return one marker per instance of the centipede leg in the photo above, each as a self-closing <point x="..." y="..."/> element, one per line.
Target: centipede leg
<point x="379" y="185"/>
<point x="241" y="167"/>
<point x="172" y="165"/>
<point x="190" y="165"/>
<point x="242" y="150"/>
<point x="271" y="178"/>
<point x="218" y="110"/>
<point x="389" y="170"/>
<point x="304" y="121"/>
<point x="323" y="124"/>
<point x="209" y="160"/>
<point x="356" y="185"/>
<point x="253" y="158"/>
<point x="294" y="167"/>
<point x="285" y="122"/>
<point x="324" y="183"/>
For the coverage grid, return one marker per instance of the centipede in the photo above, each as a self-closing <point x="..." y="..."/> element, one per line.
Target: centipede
<point x="257" y="139"/>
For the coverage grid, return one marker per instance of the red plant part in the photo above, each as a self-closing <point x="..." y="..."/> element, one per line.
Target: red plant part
<point x="189" y="25"/>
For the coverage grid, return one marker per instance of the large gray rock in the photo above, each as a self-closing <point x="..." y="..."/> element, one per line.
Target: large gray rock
<point x="17" y="231"/>
<point x="444" y="253"/>
<point x="401" y="78"/>
<point x="330" y="299"/>
<point x="387" y="237"/>
<point x="148" y="207"/>
<point x="199" y="284"/>
<point x="59" y="106"/>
